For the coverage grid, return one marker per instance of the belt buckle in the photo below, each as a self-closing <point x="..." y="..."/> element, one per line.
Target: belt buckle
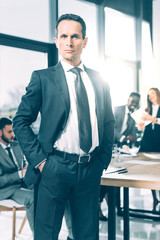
<point x="83" y="156"/>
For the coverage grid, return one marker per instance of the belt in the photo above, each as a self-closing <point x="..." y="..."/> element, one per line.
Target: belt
<point x="75" y="157"/>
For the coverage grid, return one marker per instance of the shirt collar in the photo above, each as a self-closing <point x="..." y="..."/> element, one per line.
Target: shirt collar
<point x="67" y="67"/>
<point x="155" y="106"/>
<point x="4" y="146"/>
<point x="127" y="110"/>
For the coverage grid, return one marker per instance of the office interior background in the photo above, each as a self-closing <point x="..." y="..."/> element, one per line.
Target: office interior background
<point x="123" y="44"/>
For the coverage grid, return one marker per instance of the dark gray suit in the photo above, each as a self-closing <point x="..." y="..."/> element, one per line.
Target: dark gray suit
<point x="9" y="177"/>
<point x="11" y="183"/>
<point x="48" y="93"/>
<point x="119" y="114"/>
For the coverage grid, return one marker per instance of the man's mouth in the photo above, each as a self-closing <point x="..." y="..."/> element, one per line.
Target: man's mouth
<point x="69" y="50"/>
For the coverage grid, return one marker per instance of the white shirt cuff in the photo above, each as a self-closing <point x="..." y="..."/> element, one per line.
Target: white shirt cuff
<point x="122" y="138"/>
<point x="20" y="174"/>
<point x="40" y="163"/>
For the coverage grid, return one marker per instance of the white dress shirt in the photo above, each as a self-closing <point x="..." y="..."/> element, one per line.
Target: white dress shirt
<point x="155" y="111"/>
<point x="69" y="139"/>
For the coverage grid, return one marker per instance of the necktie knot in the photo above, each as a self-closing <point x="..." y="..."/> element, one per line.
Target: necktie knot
<point x="8" y="148"/>
<point x="76" y="70"/>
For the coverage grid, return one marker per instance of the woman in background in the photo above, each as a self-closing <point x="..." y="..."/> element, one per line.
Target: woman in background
<point x="151" y="136"/>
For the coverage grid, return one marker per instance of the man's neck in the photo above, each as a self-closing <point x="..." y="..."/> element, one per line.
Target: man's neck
<point x="3" y="142"/>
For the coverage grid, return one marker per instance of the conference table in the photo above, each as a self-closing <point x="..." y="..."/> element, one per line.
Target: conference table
<point x="141" y="170"/>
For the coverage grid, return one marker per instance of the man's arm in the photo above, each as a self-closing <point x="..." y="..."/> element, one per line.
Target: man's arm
<point x="26" y="114"/>
<point x="108" y="133"/>
<point x="9" y="178"/>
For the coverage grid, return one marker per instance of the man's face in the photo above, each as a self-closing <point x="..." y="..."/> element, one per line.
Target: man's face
<point x="6" y="134"/>
<point x="70" y="41"/>
<point x="133" y="103"/>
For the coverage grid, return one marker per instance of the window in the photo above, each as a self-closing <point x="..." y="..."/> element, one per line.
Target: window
<point x="120" y="51"/>
<point x="16" y="66"/>
<point x="27" y="19"/>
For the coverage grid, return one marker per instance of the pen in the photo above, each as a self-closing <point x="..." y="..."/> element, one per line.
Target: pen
<point x="122" y="172"/>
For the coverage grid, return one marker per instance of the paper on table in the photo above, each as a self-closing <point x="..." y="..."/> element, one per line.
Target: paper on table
<point x="128" y="151"/>
<point x="152" y="155"/>
<point x="137" y="116"/>
<point x="141" y="162"/>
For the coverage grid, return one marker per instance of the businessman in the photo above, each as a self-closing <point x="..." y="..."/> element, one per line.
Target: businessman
<point x="75" y="139"/>
<point x="12" y="171"/>
<point x="125" y="129"/>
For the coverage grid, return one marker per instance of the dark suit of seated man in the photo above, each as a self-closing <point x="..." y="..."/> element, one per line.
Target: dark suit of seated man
<point x="12" y="170"/>
<point x="125" y="133"/>
<point x="125" y="126"/>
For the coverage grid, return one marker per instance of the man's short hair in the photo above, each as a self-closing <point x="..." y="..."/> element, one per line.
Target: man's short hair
<point x="134" y="94"/>
<point x="72" y="17"/>
<point x="4" y="121"/>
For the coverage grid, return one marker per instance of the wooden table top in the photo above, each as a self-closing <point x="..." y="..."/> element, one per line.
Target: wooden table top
<point x="143" y="172"/>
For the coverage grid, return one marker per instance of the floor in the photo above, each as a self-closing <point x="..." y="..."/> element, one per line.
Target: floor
<point x="140" y="229"/>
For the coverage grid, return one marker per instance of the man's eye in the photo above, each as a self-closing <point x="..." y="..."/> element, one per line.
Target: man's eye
<point x="75" y="36"/>
<point x="63" y="36"/>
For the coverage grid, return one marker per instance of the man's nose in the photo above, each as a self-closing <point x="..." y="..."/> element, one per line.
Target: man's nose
<point x="13" y="135"/>
<point x="69" y="42"/>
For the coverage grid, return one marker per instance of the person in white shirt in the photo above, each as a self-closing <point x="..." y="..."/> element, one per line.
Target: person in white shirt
<point x="151" y="135"/>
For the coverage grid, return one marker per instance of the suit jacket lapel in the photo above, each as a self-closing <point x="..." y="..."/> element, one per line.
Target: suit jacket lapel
<point x="5" y="155"/>
<point x="158" y="113"/>
<point x="61" y="83"/>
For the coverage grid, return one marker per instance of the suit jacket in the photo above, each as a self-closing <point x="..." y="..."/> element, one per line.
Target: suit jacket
<point x="9" y="177"/>
<point x="48" y="93"/>
<point x="119" y="114"/>
<point x="151" y="136"/>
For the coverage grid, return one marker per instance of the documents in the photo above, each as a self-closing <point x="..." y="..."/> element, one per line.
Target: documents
<point x="137" y="116"/>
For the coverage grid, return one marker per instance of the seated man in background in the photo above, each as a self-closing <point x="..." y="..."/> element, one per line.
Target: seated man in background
<point x="125" y="134"/>
<point x="12" y="171"/>
<point x="125" y="129"/>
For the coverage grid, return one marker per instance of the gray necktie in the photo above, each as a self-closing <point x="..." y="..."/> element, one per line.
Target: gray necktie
<point x="84" y="123"/>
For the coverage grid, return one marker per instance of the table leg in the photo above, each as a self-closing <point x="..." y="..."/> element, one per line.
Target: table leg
<point x="111" y="214"/>
<point x="126" y="214"/>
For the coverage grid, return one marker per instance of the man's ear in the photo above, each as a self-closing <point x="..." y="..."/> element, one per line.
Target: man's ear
<point x="0" y="132"/>
<point x="56" y="41"/>
<point x="85" y="42"/>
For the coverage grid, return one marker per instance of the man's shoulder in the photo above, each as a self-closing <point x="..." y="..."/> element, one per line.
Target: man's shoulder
<point x="14" y="144"/>
<point x="93" y="71"/>
<point x="119" y="108"/>
<point x="49" y="69"/>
